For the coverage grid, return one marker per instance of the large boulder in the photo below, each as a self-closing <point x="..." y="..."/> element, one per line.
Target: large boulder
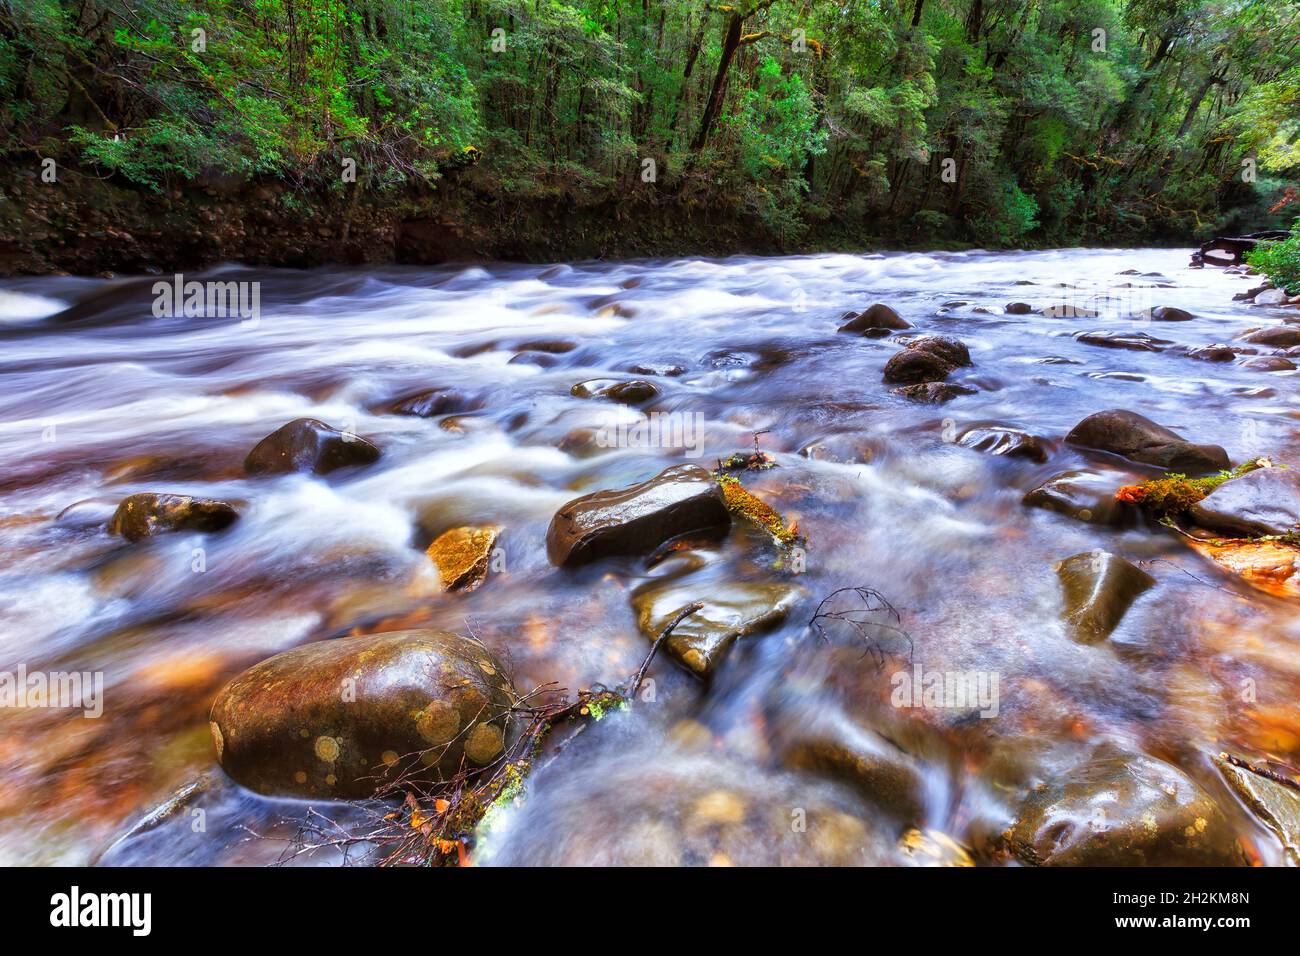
<point x="1098" y="589"/>
<point x="637" y="519"/>
<point x="876" y="321"/>
<point x="1136" y="437"/>
<point x="341" y="718"/>
<point x="730" y="612"/>
<point x="927" y="358"/>
<point x="306" y="444"/>
<point x="146" y="514"/>
<point x="1122" y="809"/>
<point x="1085" y="495"/>
<point x="1263" y="501"/>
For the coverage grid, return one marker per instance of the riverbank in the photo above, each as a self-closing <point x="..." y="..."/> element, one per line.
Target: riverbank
<point x="84" y="225"/>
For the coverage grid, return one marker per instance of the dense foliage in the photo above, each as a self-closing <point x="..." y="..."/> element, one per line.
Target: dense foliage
<point x="1280" y="261"/>
<point x="1001" y="123"/>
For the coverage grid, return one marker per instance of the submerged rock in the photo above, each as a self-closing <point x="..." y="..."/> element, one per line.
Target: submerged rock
<point x="1213" y="353"/>
<point x="1167" y="313"/>
<point x="636" y="519"/>
<point x="1271" y="363"/>
<point x="340" y="718"/>
<point x="462" y="556"/>
<point x="1086" y="495"/>
<point x="1099" y="587"/>
<point x="431" y="402"/>
<point x="1134" y="341"/>
<point x="934" y="393"/>
<point x="1274" y="802"/>
<point x="877" y="321"/>
<point x="1120" y="809"/>
<point x="1005" y="441"/>
<point x="927" y="358"/>
<point x="1265" y="501"/>
<point x="730" y="612"/>
<point x="146" y="514"/>
<point x="833" y="745"/>
<point x="306" y="444"/>
<point x="1136" y="437"/>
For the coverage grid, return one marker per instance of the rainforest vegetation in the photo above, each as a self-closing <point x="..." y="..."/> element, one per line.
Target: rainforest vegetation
<point x="1019" y="122"/>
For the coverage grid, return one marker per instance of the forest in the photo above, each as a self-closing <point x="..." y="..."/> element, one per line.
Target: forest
<point x="1015" y="123"/>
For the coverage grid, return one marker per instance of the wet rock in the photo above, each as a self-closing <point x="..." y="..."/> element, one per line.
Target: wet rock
<point x="430" y="403"/>
<point x="1265" y="501"/>
<point x="1276" y="337"/>
<point x="147" y="514"/>
<point x="830" y="744"/>
<point x="338" y="718"/>
<point x="877" y="321"/>
<point x="1133" y="341"/>
<point x="1122" y="809"/>
<point x="1271" y="363"/>
<point x="933" y="393"/>
<point x="927" y="358"/>
<point x="1005" y="441"/>
<point x="468" y="425"/>
<point x="462" y="556"/>
<point x="730" y="612"/>
<point x="1098" y="589"/>
<point x="1019" y="308"/>
<point x="669" y="371"/>
<point x="540" y="359"/>
<point x="1270" y="297"/>
<point x="1167" y="313"/>
<point x="1273" y="801"/>
<point x="1086" y="495"/>
<point x="1213" y="353"/>
<point x="844" y="449"/>
<point x="1136" y="437"/>
<point x="629" y="393"/>
<point x="637" y="519"/>
<point x="306" y="444"/>
<point x="1069" y="312"/>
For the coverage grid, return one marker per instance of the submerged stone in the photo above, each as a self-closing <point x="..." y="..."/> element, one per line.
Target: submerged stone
<point x="934" y="393"/>
<point x="462" y="556"/>
<point x="636" y="519"/>
<point x="341" y="718"/>
<point x="306" y="444"/>
<point x="730" y="612"/>
<point x="1099" y="588"/>
<point x="146" y="514"/>
<point x="1085" y="495"/>
<point x="628" y="393"/>
<point x="1005" y="441"/>
<point x="1122" y="809"/>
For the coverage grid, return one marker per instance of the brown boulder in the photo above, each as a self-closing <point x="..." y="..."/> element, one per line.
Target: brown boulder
<point x="636" y="519"/>
<point x="1136" y="437"/>
<point x="306" y="444"/>
<point x="146" y="514"/>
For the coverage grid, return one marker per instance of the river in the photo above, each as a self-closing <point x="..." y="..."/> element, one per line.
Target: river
<point x="101" y="399"/>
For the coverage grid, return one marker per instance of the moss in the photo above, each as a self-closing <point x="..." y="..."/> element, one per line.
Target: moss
<point x="753" y="509"/>
<point x="1174" y="493"/>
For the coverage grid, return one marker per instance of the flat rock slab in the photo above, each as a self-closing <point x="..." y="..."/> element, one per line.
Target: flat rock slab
<point x="636" y="519"/>
<point x="730" y="612"/>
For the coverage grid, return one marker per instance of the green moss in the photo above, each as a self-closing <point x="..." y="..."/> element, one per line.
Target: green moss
<point x="1174" y="493"/>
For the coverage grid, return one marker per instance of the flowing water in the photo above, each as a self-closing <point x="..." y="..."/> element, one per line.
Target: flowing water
<point x="101" y="399"/>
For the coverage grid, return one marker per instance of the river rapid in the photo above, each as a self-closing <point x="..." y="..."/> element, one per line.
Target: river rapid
<point x="99" y="398"/>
